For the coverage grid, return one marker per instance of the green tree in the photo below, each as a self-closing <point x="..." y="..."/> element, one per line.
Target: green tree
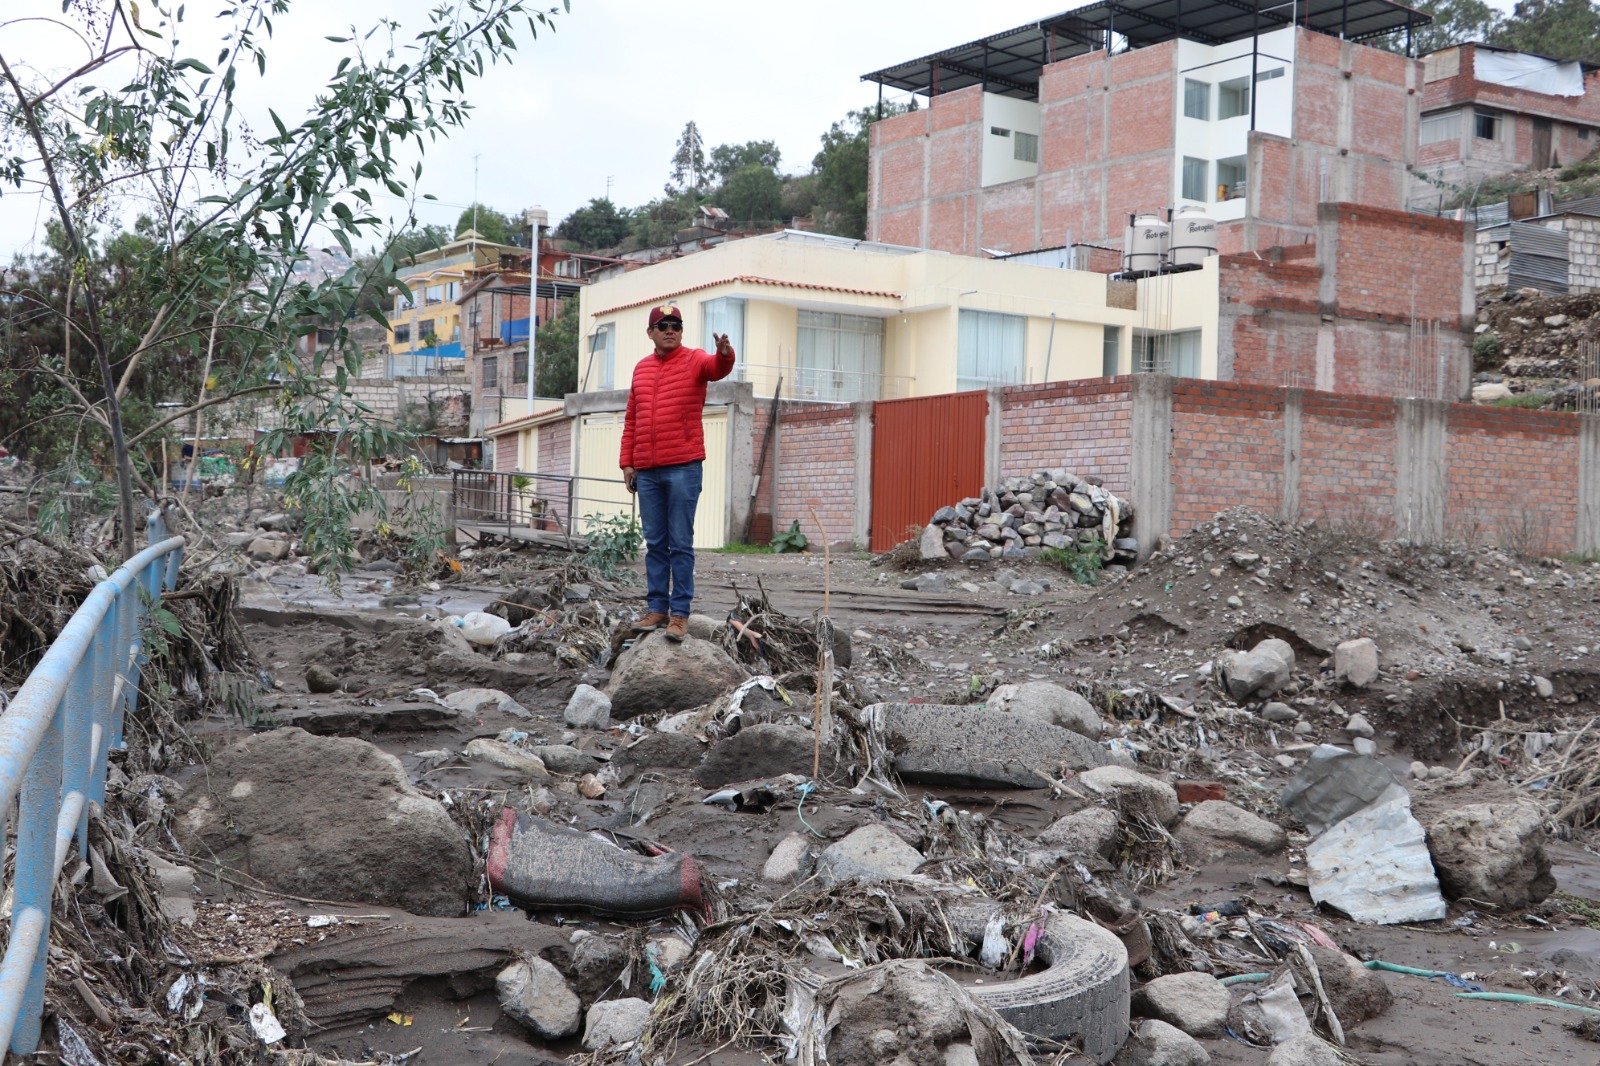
<point x="729" y="159"/>
<point x="1454" y="22"/>
<point x="658" y="221"/>
<point x="596" y="225"/>
<point x="841" y="170"/>
<point x="753" y="194"/>
<point x="688" y="162"/>
<point x="492" y="225"/>
<point x="233" y="210"/>
<point x="1565" y="29"/>
<point x="557" y="348"/>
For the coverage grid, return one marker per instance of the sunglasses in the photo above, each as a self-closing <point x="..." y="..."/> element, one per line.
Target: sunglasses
<point x="668" y="324"/>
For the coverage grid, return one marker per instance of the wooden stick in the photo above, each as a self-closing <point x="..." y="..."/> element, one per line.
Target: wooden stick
<point x="822" y="719"/>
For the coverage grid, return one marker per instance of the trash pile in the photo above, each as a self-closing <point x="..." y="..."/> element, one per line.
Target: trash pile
<point x="1023" y="516"/>
<point x="759" y="841"/>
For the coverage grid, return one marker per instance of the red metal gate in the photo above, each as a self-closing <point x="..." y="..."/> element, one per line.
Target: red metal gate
<point x="927" y="452"/>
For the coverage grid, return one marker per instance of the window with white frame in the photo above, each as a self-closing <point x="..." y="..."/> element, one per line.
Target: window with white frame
<point x="1233" y="98"/>
<point x="1230" y="178"/>
<point x="602" y="357"/>
<point x="1269" y="75"/>
<point x="434" y="294"/>
<point x="1196" y="99"/>
<point x="1195" y="184"/>
<point x="1025" y="147"/>
<point x="1110" y="350"/>
<point x="404" y="301"/>
<point x="724" y="315"/>
<point x="991" y="349"/>
<point x="1445" y="126"/>
<point x="1157" y="352"/>
<point x="839" y="358"/>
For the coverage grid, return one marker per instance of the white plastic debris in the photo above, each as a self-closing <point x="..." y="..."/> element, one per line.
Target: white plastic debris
<point x="266" y="1025"/>
<point x="995" y="946"/>
<point x="481" y="629"/>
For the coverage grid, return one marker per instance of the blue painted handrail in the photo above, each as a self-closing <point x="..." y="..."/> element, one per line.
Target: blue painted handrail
<point x="54" y="739"/>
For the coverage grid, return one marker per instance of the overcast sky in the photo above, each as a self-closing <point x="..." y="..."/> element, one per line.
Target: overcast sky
<point x="601" y="98"/>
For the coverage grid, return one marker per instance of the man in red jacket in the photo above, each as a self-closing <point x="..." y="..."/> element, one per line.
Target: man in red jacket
<point x="663" y="446"/>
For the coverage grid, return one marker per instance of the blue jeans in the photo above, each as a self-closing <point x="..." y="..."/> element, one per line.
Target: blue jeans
<point x="667" y="499"/>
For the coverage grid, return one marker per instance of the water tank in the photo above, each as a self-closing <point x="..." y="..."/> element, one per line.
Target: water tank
<point x="1194" y="236"/>
<point x="1145" y="248"/>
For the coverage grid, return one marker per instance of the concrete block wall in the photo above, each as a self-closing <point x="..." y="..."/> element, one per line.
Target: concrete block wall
<point x="1583" y="254"/>
<point x="1491" y="259"/>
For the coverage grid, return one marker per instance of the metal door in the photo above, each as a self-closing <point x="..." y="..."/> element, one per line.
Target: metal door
<point x="927" y="452"/>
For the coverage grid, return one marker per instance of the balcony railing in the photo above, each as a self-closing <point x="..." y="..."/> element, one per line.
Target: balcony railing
<point x="827" y="386"/>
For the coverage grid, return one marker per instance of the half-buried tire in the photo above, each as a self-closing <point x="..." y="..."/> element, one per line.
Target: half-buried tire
<point x="1082" y="994"/>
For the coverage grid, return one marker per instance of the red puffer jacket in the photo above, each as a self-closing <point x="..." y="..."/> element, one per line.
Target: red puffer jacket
<point x="663" y="422"/>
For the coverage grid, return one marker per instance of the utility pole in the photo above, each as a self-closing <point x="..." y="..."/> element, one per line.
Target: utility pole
<point x="537" y="219"/>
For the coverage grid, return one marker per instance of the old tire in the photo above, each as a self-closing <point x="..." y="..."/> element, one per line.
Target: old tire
<point x="1082" y="995"/>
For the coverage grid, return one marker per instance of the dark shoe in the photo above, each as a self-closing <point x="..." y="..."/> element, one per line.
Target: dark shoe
<point x="653" y="620"/>
<point x="678" y="628"/>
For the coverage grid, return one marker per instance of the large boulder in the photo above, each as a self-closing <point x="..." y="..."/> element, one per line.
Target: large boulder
<point x="1492" y="853"/>
<point x="1155" y="1043"/>
<point x="534" y="993"/>
<point x="1049" y="702"/>
<point x="757" y="751"/>
<point x="615" y="1021"/>
<point x="589" y="708"/>
<point x="871" y="853"/>
<point x="1091" y="832"/>
<point x="1355" y="662"/>
<point x="1308" y="1049"/>
<point x="1216" y="827"/>
<point x="1197" y="1003"/>
<point x="331" y="818"/>
<point x="1129" y="790"/>
<point x="656" y="676"/>
<point x="1356" y="992"/>
<point x="974" y="746"/>
<point x="1259" y="672"/>
<point x="269" y="548"/>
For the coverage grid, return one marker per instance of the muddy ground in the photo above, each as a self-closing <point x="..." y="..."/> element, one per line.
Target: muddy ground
<point x="1467" y="638"/>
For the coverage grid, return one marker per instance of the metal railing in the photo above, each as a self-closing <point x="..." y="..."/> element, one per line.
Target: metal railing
<point x="54" y="740"/>
<point x="560" y="505"/>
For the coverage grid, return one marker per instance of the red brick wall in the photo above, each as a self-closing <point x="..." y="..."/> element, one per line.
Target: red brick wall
<point x="1465" y="88"/>
<point x="1513" y="478"/>
<point x="1227" y="450"/>
<point x="818" y="456"/>
<point x="1347" y="459"/>
<point x="505" y="451"/>
<point x="555" y="447"/>
<point x="761" y="507"/>
<point x="1083" y="426"/>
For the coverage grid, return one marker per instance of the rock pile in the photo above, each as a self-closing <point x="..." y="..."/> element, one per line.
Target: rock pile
<point x="1022" y="516"/>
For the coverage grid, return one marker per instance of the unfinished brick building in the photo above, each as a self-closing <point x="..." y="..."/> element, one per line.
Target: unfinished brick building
<point x="1039" y="137"/>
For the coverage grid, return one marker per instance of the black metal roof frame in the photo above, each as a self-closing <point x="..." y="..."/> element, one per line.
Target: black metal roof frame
<point x="1010" y="62"/>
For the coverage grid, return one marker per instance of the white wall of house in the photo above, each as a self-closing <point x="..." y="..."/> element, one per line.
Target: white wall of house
<point x="1010" y="139"/>
<point x="1221" y="143"/>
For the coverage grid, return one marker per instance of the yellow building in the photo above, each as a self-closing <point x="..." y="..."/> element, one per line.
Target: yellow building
<point x="425" y="327"/>
<point x="841" y="320"/>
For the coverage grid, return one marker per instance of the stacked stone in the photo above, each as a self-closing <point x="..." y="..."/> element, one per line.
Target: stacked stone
<point x="1022" y="516"/>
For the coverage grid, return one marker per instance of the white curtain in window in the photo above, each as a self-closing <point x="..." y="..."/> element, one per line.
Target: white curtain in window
<point x="990" y="350"/>
<point x="602" y="357"/>
<point x="839" y="358"/>
<point x="725" y="315"/>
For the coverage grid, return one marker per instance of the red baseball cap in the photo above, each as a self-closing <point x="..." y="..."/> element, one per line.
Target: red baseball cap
<point x="664" y="311"/>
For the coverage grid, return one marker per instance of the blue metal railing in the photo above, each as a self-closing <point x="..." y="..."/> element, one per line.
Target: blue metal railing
<point x="54" y="739"/>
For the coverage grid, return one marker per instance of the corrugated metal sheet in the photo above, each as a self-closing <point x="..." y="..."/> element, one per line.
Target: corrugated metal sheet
<point x="1580" y="205"/>
<point x="1538" y="258"/>
<point x="927" y="452"/>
